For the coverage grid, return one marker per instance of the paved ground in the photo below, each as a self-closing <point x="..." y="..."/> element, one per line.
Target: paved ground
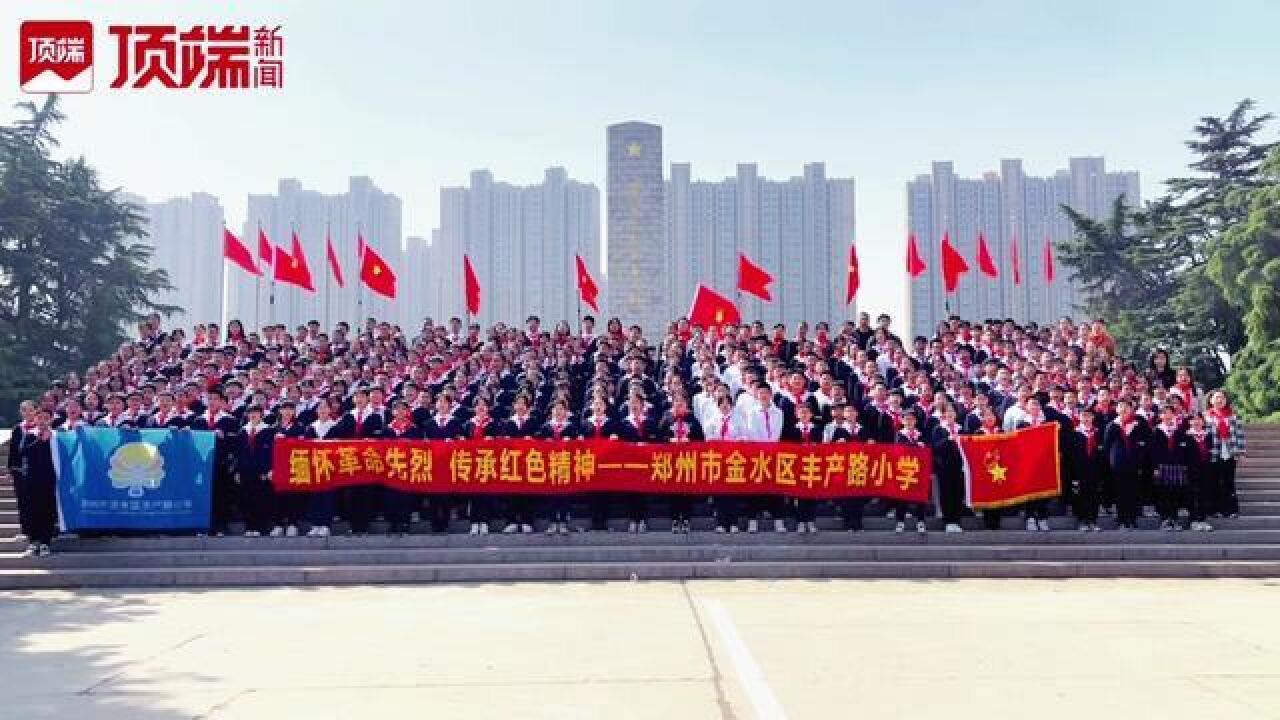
<point x="665" y="651"/>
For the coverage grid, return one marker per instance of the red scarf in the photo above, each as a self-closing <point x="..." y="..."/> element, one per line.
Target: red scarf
<point x="477" y="432"/>
<point x="1220" y="418"/>
<point x="399" y="426"/>
<point x="1202" y="443"/>
<point x="1090" y="438"/>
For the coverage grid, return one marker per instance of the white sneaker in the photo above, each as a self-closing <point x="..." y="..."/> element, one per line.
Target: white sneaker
<point x="1084" y="527"/>
<point x="1206" y="527"/>
<point x="779" y="526"/>
<point x="564" y="528"/>
<point x="526" y="528"/>
<point x="920" y="527"/>
<point x="277" y="531"/>
<point x="954" y="528"/>
<point x="415" y="517"/>
<point x="31" y="551"/>
<point x="1044" y="525"/>
<point x="733" y="529"/>
<point x="319" y="531"/>
<point x="675" y="527"/>
<point x="252" y="533"/>
<point x="1031" y="525"/>
<point x="484" y="528"/>
<point x="475" y="529"/>
<point x="900" y="527"/>
<point x="633" y="527"/>
<point x="642" y="527"/>
<point x="551" y="529"/>
<point x="291" y="531"/>
<point x="813" y="527"/>
<point x="44" y="551"/>
<point x="720" y="529"/>
<point x="752" y="526"/>
<point x="512" y="528"/>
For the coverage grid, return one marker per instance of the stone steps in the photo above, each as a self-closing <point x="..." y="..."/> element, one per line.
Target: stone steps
<point x="584" y="571"/>
<point x="641" y="554"/>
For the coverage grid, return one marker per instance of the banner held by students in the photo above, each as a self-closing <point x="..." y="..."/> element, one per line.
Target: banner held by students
<point x="1011" y="468"/>
<point x="542" y="467"/>
<point x="114" y="479"/>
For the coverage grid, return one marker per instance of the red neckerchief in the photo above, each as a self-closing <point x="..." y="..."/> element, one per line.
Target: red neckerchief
<point x="682" y="428"/>
<point x="1223" y="426"/>
<point x="400" y="425"/>
<point x="1202" y="442"/>
<point x="724" y="426"/>
<point x="557" y="427"/>
<point x="1169" y="433"/>
<point x="1090" y="438"/>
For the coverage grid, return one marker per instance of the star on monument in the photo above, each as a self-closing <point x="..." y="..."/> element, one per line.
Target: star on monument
<point x="633" y="149"/>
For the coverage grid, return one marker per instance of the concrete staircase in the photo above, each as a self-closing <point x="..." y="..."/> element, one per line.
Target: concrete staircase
<point x="1247" y="546"/>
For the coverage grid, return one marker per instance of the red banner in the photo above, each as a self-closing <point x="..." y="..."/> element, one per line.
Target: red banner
<point x="545" y="467"/>
<point x="1011" y="468"/>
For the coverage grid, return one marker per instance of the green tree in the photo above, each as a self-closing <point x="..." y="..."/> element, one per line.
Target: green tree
<point x="1246" y="266"/>
<point x="73" y="274"/>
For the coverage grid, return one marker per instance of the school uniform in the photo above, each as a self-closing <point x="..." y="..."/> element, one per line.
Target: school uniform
<point x="637" y="430"/>
<point x="443" y="428"/>
<point x="919" y="511"/>
<point x="225" y="491"/>
<point x="253" y="450"/>
<point x="290" y="507"/>
<point x="1126" y="447"/>
<point x="34" y="484"/>
<point x="806" y="509"/>
<point x="724" y="428"/>
<point x="948" y="465"/>
<point x="1199" y="480"/>
<point x="519" y="508"/>
<point x="321" y="506"/>
<point x="480" y="506"/>
<point x="1228" y="445"/>
<point x="599" y="427"/>
<point x="764" y="425"/>
<point x="1086" y="473"/>
<point x="398" y="504"/>
<point x="557" y="505"/>
<point x="362" y="502"/>
<point x="853" y="508"/>
<point x="1170" y="456"/>
<point x="676" y="431"/>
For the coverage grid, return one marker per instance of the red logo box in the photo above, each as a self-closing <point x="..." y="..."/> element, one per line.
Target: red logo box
<point x="56" y="56"/>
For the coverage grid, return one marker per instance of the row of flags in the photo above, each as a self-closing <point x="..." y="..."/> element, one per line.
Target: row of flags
<point x="954" y="264"/>
<point x="709" y="309"/>
<point x="291" y="267"/>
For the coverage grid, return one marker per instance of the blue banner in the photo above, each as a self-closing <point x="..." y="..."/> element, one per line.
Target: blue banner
<point x="113" y="479"/>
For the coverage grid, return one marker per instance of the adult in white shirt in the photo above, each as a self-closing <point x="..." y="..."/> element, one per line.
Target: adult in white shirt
<point x="764" y="424"/>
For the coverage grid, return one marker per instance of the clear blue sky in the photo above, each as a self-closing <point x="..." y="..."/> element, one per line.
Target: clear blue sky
<point x="417" y="94"/>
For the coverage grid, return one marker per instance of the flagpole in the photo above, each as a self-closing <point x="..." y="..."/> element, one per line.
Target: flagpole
<point x="328" y="271"/>
<point x="359" y="323"/>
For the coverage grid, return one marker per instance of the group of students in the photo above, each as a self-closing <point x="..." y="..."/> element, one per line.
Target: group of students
<point x="1130" y="437"/>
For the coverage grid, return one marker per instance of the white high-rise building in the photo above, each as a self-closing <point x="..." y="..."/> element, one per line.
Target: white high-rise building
<point x="1018" y="214"/>
<point x="521" y="241"/>
<point x="799" y="230"/>
<point x="363" y="209"/>
<point x="186" y="234"/>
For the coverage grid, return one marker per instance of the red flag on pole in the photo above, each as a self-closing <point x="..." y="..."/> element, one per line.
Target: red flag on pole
<point x="265" y="253"/>
<point x="334" y="266"/>
<point x="985" y="263"/>
<point x="375" y="273"/>
<point x="711" y="309"/>
<point x="1017" y="264"/>
<point x="915" y="263"/>
<point x="1048" y="260"/>
<point x="473" y="286"/>
<point x="753" y="279"/>
<point x="587" y="287"/>
<point x="238" y="253"/>
<point x="953" y="264"/>
<point x="1007" y="469"/>
<point x="292" y="268"/>
<point x="855" y="278"/>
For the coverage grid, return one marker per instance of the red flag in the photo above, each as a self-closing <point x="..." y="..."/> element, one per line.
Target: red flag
<point x="915" y="263"/>
<point x="753" y="279"/>
<point x="265" y="253"/>
<point x="473" y="286"/>
<point x="1011" y="468"/>
<point x="953" y="264"/>
<point x="238" y="254"/>
<point x="985" y="263"/>
<point x="375" y="273"/>
<point x="1017" y="264"/>
<point x="587" y="285"/>
<point x="334" y="266"/>
<point x="292" y="268"/>
<point x="711" y="309"/>
<point x="855" y="279"/>
<point x="1048" y="259"/>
